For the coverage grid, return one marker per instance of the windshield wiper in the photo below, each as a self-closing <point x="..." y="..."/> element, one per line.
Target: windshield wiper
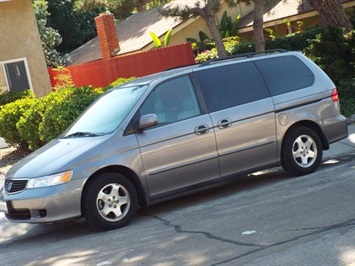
<point x="81" y="134"/>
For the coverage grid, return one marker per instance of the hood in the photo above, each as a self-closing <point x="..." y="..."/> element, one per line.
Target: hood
<point x="57" y="156"/>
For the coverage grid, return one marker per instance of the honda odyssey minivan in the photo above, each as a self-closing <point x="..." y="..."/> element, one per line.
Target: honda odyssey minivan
<point x="178" y="131"/>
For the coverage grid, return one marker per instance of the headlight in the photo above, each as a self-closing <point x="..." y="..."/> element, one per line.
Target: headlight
<point x="51" y="180"/>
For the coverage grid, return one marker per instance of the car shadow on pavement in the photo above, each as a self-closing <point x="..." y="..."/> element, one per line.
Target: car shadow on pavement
<point x="14" y="232"/>
<point x="235" y="184"/>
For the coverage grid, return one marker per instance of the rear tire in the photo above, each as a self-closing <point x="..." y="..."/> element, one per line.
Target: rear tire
<point x="109" y="202"/>
<point x="301" y="151"/>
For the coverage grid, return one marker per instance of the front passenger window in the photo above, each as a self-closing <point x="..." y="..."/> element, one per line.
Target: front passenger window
<point x="172" y="101"/>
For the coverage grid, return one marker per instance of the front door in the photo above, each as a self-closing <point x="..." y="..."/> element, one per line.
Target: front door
<point x="17" y="76"/>
<point x="180" y="151"/>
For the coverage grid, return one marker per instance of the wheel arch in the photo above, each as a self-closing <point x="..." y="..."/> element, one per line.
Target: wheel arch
<point x="312" y="125"/>
<point x="128" y="173"/>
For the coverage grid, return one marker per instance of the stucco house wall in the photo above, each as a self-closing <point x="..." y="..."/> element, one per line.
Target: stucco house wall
<point x="20" y="42"/>
<point x="192" y="27"/>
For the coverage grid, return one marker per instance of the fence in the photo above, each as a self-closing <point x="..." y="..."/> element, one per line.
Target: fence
<point x="102" y="73"/>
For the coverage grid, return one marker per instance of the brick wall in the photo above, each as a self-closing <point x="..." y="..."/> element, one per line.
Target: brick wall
<point x="107" y="34"/>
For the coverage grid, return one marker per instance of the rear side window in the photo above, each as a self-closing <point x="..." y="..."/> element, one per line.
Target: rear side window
<point x="231" y="85"/>
<point x="285" y="74"/>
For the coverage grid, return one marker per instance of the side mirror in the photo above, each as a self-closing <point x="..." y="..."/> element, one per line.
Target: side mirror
<point x="146" y="121"/>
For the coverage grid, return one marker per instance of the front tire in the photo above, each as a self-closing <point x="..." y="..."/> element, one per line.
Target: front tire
<point x="109" y="202"/>
<point x="301" y="151"/>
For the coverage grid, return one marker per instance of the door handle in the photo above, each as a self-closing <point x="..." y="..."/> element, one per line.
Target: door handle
<point x="202" y="129"/>
<point x="224" y="123"/>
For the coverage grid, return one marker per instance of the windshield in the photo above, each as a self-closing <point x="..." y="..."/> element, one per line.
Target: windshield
<point x="107" y="113"/>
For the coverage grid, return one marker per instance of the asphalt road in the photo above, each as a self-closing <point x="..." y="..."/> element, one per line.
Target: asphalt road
<point x="264" y="219"/>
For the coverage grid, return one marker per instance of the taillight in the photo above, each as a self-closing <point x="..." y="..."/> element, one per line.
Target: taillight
<point x="335" y="95"/>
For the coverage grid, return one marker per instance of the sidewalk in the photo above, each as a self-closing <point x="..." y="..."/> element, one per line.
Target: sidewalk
<point x="2" y="143"/>
<point x="344" y="146"/>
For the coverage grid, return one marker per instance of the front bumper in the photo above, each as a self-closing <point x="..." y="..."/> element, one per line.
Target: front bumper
<point x="43" y="205"/>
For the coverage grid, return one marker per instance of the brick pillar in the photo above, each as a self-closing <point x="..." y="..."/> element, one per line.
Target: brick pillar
<point x="106" y="31"/>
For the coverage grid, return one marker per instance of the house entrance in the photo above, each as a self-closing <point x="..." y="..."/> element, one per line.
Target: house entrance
<point x="15" y="76"/>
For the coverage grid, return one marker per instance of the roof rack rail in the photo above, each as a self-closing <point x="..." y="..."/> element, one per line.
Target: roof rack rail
<point x="182" y="66"/>
<point x="243" y="55"/>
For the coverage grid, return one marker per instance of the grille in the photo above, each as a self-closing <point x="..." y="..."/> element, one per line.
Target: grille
<point x="18" y="215"/>
<point x="12" y="186"/>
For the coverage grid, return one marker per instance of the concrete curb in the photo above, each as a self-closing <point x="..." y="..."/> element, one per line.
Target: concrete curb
<point x="344" y="146"/>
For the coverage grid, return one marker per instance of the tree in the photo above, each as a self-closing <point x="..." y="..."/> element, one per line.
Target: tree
<point x="75" y="26"/>
<point x="331" y="13"/>
<point x="207" y="10"/>
<point x="258" y="31"/>
<point x="50" y="38"/>
<point x="119" y="8"/>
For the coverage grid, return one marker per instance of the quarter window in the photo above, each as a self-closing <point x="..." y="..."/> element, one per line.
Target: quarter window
<point x="231" y="85"/>
<point x="285" y="74"/>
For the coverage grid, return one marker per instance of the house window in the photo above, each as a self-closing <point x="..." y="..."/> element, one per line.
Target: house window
<point x="14" y="76"/>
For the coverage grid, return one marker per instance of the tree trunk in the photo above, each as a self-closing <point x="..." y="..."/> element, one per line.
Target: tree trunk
<point x="211" y="23"/>
<point x="258" y="31"/>
<point x="331" y="12"/>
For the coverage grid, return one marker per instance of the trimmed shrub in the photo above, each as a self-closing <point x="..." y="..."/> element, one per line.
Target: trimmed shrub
<point x="10" y="115"/>
<point x="28" y="125"/>
<point x="33" y="125"/>
<point x="120" y="81"/>
<point x="66" y="106"/>
<point x="15" y="95"/>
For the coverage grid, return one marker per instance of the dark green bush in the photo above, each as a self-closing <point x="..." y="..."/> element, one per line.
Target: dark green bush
<point x="10" y="114"/>
<point x="15" y="95"/>
<point x="292" y="42"/>
<point x="333" y="53"/>
<point x="347" y="96"/>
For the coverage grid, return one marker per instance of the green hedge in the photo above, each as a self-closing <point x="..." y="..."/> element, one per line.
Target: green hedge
<point x="10" y="114"/>
<point x="31" y="123"/>
<point x="334" y="52"/>
<point x="15" y="95"/>
<point x="292" y="42"/>
<point x="68" y="104"/>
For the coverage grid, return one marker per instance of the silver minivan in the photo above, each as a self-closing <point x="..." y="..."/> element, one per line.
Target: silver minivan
<point x="178" y="131"/>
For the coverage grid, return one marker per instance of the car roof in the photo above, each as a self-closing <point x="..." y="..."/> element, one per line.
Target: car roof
<point x="190" y="68"/>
